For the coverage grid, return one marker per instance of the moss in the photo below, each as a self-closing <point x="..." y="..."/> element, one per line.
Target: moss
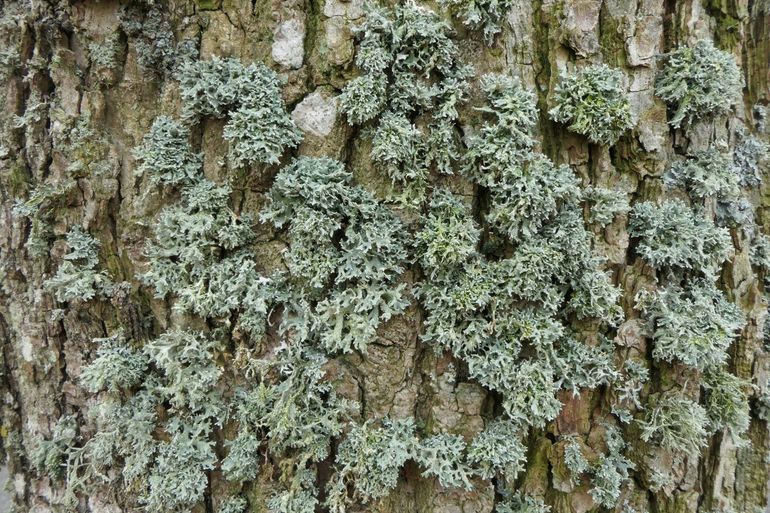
<point x="728" y="24"/>
<point x="208" y="5"/>
<point x="17" y="179"/>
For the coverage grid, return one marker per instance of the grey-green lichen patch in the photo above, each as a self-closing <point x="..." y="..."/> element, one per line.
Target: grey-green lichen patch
<point x="759" y="252"/>
<point x="150" y="32"/>
<point x="116" y="366"/>
<point x="673" y="235"/>
<point x="521" y="503"/>
<point x="548" y="246"/>
<point x="233" y="505"/>
<point x="605" y="204"/>
<point x="697" y="81"/>
<point x="77" y="276"/>
<point x="484" y="15"/>
<point x="360" y="463"/>
<point x="706" y="174"/>
<point x="512" y="110"/>
<point x="258" y="127"/>
<point x="200" y="257"/>
<point x="165" y="154"/>
<point x="575" y="460"/>
<point x="727" y="402"/>
<point x="750" y="157"/>
<point x="411" y="71"/>
<point x="516" y="265"/>
<point x="38" y="207"/>
<point x="296" y="410"/>
<point x="495" y="451"/>
<point x="345" y="253"/>
<point x="498" y="450"/>
<point x="593" y="102"/>
<point x="49" y="456"/>
<point x="694" y="325"/>
<point x="611" y="471"/>
<point x="676" y="423"/>
<point x="628" y="389"/>
<point x="85" y="161"/>
<point x="105" y="57"/>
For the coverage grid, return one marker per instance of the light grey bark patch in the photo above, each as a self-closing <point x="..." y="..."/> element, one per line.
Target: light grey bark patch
<point x="316" y="114"/>
<point x="352" y="10"/>
<point x="289" y="43"/>
<point x="5" y="497"/>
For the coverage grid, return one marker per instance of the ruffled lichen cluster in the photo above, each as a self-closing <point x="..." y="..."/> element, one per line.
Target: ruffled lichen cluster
<point x="697" y="81"/>
<point x="593" y="102"/>
<point x="484" y="15"/>
<point x="411" y="72"/>
<point x="258" y="128"/>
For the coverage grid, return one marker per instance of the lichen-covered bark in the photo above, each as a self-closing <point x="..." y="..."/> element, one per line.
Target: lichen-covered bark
<point x="114" y="64"/>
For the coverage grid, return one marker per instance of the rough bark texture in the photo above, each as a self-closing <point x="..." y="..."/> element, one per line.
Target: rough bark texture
<point x="53" y="71"/>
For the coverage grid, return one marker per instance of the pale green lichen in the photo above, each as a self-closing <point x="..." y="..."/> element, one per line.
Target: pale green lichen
<point x="611" y="471"/>
<point x="521" y="503"/>
<point x="498" y="451"/>
<point x="200" y="257"/>
<point x="575" y="461"/>
<point x="593" y="102"/>
<point x="411" y="71"/>
<point x="369" y="462"/>
<point x="727" y="402"/>
<point x="672" y="235"/>
<point x="676" y="423"/>
<point x="628" y="388"/>
<point x="49" y="457"/>
<point x="104" y="55"/>
<point x="698" y="81"/>
<point x="750" y="156"/>
<point x="258" y="127"/>
<point x="505" y="285"/>
<point x="438" y="456"/>
<point x="500" y="144"/>
<point x="705" y="174"/>
<point x="165" y="154"/>
<point x="233" y="505"/>
<point x="535" y="207"/>
<point x="485" y="15"/>
<point x="77" y="276"/>
<point x="117" y="366"/>
<point x="345" y="252"/>
<point x="150" y="31"/>
<point x="694" y="325"/>
<point x="605" y="204"/>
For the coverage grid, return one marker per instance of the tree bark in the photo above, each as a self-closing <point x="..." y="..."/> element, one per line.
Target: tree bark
<point x="52" y="74"/>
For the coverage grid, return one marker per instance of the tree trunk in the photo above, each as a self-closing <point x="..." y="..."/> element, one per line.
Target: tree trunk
<point x="109" y="69"/>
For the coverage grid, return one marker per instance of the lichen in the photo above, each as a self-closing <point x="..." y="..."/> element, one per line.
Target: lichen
<point x="697" y="81"/>
<point x="411" y="70"/>
<point x="694" y="325"/>
<point x="345" y="253"/>
<point x="676" y="423"/>
<point x="484" y="15"/>
<point x="673" y="235"/>
<point x="77" y="277"/>
<point x="593" y="102"/>
<point x="605" y="204"/>
<point x="258" y="127"/>
<point x="165" y="154"/>
<point x="705" y="174"/>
